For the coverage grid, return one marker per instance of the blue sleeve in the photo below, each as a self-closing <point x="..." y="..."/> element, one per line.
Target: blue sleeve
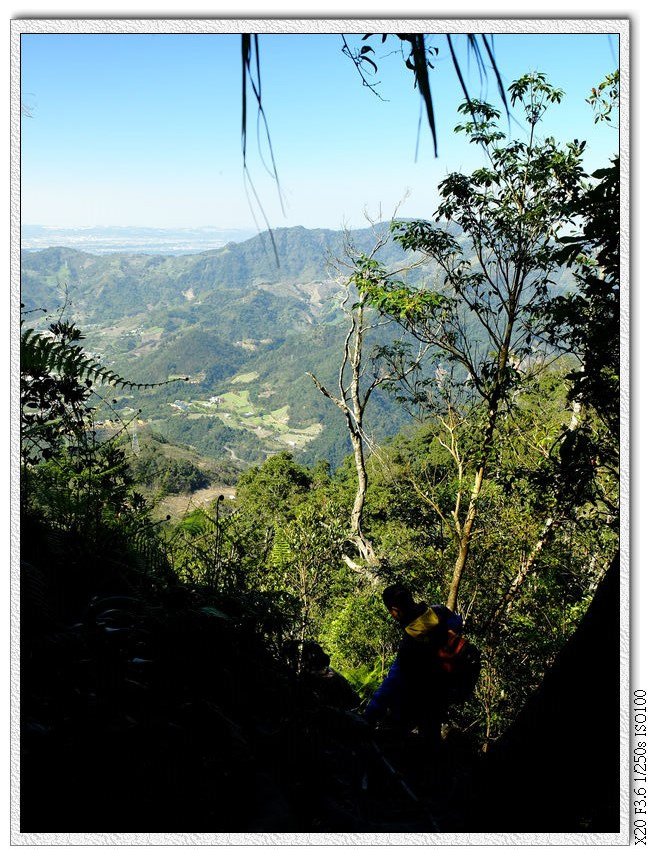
<point x="386" y="693"/>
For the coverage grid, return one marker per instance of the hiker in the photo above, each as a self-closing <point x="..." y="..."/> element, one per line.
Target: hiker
<point x="330" y="687"/>
<point x="415" y="691"/>
<point x="310" y="664"/>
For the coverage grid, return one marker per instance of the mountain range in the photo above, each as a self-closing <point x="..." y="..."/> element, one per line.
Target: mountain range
<point x="244" y="324"/>
<point x="241" y="325"/>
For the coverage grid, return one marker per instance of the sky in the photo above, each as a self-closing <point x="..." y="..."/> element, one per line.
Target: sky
<point x="145" y="130"/>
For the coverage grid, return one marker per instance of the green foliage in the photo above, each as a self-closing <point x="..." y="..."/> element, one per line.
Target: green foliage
<point x="364" y="679"/>
<point x="57" y="379"/>
<point x="587" y="321"/>
<point x="273" y="488"/>
<point x="83" y="525"/>
<point x="166" y="475"/>
<point x="604" y="98"/>
<point x="494" y="241"/>
<point x="304" y="561"/>
<point x="83" y="490"/>
<point x="358" y="631"/>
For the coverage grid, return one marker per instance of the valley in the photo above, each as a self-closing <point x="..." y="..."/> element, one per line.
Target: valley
<point x="227" y="336"/>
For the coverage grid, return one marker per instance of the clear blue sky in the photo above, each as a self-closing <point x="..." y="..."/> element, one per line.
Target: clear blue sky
<point x="145" y="129"/>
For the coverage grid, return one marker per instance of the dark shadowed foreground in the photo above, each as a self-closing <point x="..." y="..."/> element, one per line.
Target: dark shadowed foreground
<point x="167" y="711"/>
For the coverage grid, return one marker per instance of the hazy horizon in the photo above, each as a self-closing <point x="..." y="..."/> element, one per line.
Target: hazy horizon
<point x="110" y="239"/>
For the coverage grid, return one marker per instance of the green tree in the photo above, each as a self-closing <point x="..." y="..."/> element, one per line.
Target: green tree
<point x="83" y="523"/>
<point x="304" y="560"/>
<point x="361" y="638"/>
<point x="586" y="322"/>
<point x="271" y="489"/>
<point x="493" y="238"/>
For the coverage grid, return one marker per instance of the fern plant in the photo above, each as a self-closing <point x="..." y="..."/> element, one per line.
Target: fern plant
<point x="57" y="379"/>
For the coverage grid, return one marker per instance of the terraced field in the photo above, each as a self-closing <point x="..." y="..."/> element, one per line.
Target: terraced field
<point x="236" y="409"/>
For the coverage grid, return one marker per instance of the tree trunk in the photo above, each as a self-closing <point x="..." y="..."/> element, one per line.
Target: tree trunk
<point x="472" y="509"/>
<point x="356" y="517"/>
<point x="466" y="536"/>
<point x="505" y="606"/>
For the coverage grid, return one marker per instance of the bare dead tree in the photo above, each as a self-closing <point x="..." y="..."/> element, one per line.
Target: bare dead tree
<point x="361" y="372"/>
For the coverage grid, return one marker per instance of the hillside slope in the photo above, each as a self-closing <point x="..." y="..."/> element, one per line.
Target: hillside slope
<point x="242" y="330"/>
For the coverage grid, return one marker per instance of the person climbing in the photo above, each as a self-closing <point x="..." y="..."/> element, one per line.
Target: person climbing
<point x="309" y="664"/>
<point x="415" y="692"/>
<point x="329" y="686"/>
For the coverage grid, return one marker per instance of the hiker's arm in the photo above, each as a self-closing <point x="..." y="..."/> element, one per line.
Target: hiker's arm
<point x="386" y="693"/>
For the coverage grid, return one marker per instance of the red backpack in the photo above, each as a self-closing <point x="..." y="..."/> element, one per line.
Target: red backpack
<point x="457" y="658"/>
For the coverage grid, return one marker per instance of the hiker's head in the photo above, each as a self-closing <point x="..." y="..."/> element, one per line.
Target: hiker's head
<point x="399" y="602"/>
<point x="313" y="657"/>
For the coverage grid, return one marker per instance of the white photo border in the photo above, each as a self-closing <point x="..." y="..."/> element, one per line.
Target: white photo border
<point x="616" y="26"/>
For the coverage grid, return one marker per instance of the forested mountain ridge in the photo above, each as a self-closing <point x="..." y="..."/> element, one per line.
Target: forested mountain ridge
<point x="104" y="284"/>
<point x="241" y="326"/>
